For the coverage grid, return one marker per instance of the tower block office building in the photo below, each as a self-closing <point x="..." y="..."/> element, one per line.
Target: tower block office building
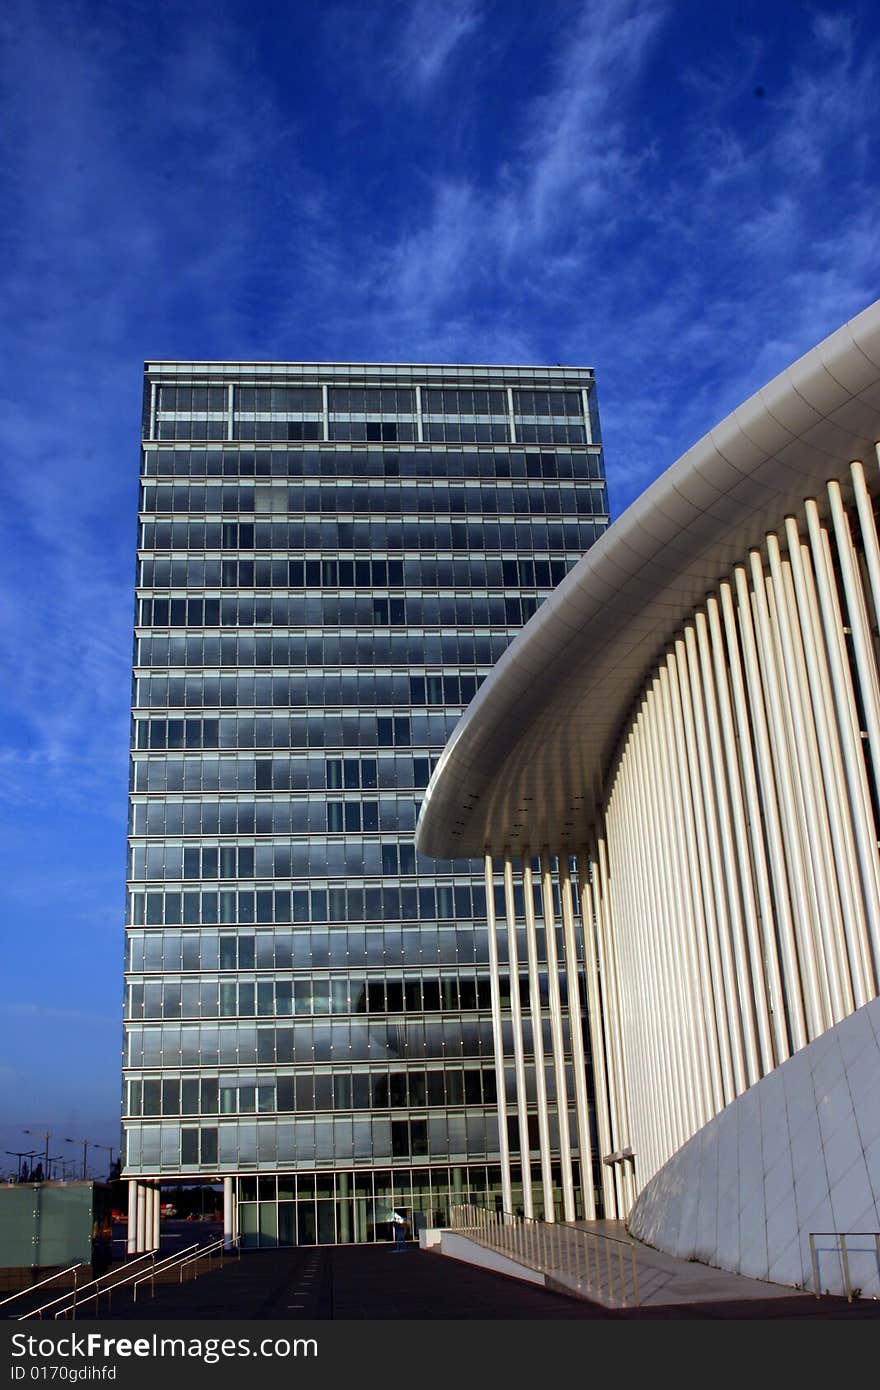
<point x="331" y="558"/>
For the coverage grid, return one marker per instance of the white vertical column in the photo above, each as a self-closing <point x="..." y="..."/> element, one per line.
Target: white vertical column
<point x="802" y="919"/>
<point x="740" y="844"/>
<point x="868" y="528"/>
<point x="645" y="979"/>
<point x="557" y="1036"/>
<point x="677" y="1002"/>
<point x="805" y="768"/>
<point x="131" y="1230"/>
<point x="588" y="881"/>
<point x="755" y="817"/>
<point x="228" y="1222"/>
<point x="140" y="1226"/>
<point x="149" y="1214"/>
<point x="420" y="429"/>
<point x="614" y="1009"/>
<point x="639" y="1014"/>
<point x="702" y="996"/>
<point x="611" y="1011"/>
<point x="612" y="993"/>
<point x="325" y="409"/>
<point x="809" y="942"/>
<point x="152" y="430"/>
<point x="745" y="987"/>
<point x="695" y="1052"/>
<point x="851" y="943"/>
<point x="157" y="1216"/>
<point x="576" y="1030"/>
<point x="656" y="923"/>
<point x="707" y="939"/>
<point x="723" y="963"/>
<point x="770" y="813"/>
<point x="861" y="637"/>
<point x="538" y="1038"/>
<point x="858" y="791"/>
<point x="519" y="1064"/>
<point x="497" y="1038"/>
<point x="230" y="411"/>
<point x="861" y="962"/>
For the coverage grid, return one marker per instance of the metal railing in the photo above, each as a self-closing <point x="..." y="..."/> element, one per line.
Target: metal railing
<point x="587" y="1262"/>
<point x="850" y="1288"/>
<point x="105" y="1283"/>
<point x="190" y="1256"/>
<point x="59" y="1274"/>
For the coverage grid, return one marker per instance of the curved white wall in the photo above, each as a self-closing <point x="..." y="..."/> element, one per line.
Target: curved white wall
<point x="798" y="1153"/>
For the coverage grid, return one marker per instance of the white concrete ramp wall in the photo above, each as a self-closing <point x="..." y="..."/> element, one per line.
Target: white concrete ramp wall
<point x="798" y="1152"/>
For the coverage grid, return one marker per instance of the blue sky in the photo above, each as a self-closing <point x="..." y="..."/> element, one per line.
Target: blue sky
<point x="681" y="195"/>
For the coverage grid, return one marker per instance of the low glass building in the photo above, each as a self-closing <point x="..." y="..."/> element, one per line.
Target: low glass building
<point x="331" y="558"/>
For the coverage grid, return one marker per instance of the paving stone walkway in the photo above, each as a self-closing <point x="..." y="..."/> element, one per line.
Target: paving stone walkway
<point x="373" y="1282"/>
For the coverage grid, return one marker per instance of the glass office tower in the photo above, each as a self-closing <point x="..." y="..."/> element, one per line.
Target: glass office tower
<point x="330" y="560"/>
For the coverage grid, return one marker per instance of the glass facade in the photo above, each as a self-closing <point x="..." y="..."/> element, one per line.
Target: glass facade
<point x="330" y="561"/>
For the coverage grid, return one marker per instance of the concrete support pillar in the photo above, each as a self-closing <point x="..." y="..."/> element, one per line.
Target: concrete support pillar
<point x="344" y="1209"/>
<point x="149" y="1217"/>
<point x="228" y="1212"/>
<point x="131" y="1233"/>
<point x="140" y="1245"/>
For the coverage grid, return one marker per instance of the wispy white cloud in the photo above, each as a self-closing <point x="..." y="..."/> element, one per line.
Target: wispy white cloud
<point x="558" y="193"/>
<point x="433" y="32"/>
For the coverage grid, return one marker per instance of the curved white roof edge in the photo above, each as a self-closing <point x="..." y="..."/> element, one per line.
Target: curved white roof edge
<point x="518" y="771"/>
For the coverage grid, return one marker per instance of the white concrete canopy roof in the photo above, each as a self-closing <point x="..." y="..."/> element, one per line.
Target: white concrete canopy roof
<point x="525" y="764"/>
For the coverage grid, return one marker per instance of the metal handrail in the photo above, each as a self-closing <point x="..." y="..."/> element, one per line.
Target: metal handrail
<point x="538" y="1244"/>
<point x="180" y="1259"/>
<point x="168" y="1263"/>
<point x="851" y="1290"/>
<point x="38" y="1312"/>
<point x="222" y="1244"/>
<point x="59" y="1274"/>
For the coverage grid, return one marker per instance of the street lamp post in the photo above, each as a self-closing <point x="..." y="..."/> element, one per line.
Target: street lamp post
<point x="49" y="1161"/>
<point x="110" y="1149"/>
<point x="85" y="1144"/>
<point x="46" y="1135"/>
<point x="20" y="1154"/>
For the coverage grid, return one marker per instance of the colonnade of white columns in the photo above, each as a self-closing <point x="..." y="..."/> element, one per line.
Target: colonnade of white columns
<point x="144" y="1219"/>
<point x="729" y="892"/>
<point x="529" y="1051"/>
<point x="735" y="884"/>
